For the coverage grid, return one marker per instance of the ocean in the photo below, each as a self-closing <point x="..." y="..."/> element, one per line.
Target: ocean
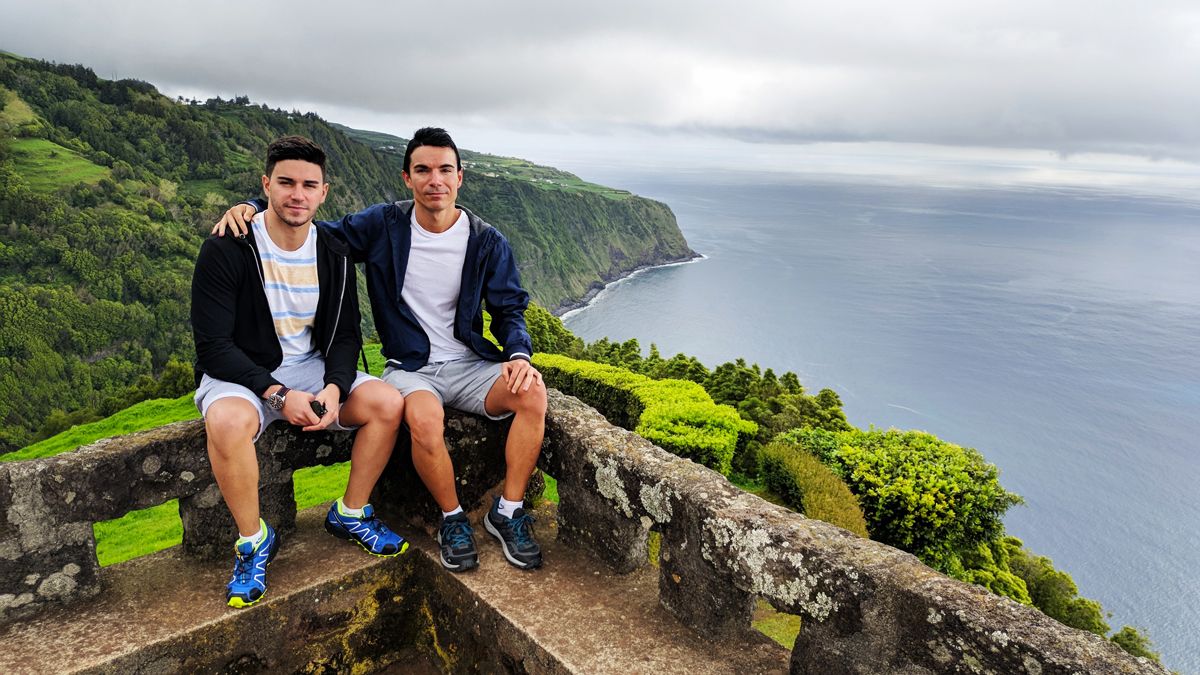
<point x="1054" y="330"/>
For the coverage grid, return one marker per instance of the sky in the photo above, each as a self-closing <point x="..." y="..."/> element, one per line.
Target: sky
<point x="1094" y="87"/>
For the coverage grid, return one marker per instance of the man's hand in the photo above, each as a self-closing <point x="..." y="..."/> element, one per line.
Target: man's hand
<point x="519" y="374"/>
<point x="236" y="220"/>
<point x="328" y="397"/>
<point x="296" y="409"/>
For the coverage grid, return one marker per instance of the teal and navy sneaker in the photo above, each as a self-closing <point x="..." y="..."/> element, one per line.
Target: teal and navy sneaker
<point x="456" y="542"/>
<point x="249" y="582"/>
<point x="368" y="531"/>
<point x="515" y="535"/>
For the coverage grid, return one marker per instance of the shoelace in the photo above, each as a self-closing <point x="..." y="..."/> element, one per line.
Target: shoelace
<point x="241" y="569"/>
<point x="458" y="535"/>
<point x="522" y="529"/>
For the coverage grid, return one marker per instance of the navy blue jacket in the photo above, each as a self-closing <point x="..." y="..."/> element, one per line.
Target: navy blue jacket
<point x="380" y="236"/>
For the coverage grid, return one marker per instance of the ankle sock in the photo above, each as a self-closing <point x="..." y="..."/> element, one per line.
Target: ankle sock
<point x="457" y="509"/>
<point x="347" y="511"/>
<point x="255" y="538"/>
<point x="508" y="509"/>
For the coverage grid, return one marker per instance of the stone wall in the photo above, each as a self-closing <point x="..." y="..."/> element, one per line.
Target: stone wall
<point x="866" y="607"/>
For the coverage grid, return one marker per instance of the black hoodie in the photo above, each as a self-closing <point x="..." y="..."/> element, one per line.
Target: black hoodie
<point x="231" y="319"/>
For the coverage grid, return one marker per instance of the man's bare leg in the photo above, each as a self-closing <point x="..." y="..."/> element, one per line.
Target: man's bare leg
<point x="426" y="419"/>
<point x="231" y="424"/>
<point x="376" y="408"/>
<point x="524" y="436"/>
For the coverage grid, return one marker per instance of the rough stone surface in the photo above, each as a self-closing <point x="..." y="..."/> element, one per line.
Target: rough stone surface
<point x="866" y="607"/>
<point x="332" y="608"/>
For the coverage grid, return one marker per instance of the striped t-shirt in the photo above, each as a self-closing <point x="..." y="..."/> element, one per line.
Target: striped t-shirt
<point x="290" y="279"/>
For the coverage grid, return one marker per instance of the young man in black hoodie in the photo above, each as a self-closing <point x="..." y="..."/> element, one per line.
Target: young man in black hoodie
<point x="276" y="324"/>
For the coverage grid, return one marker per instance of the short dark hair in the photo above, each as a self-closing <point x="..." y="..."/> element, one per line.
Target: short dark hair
<point x="434" y="136"/>
<point x="294" y="147"/>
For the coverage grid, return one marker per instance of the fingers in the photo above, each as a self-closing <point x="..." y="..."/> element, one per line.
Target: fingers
<point x="523" y="377"/>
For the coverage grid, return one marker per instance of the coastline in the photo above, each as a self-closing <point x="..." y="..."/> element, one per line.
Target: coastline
<point x="570" y="307"/>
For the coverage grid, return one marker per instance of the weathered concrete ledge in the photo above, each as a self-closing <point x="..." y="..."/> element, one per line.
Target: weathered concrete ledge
<point x="867" y="608"/>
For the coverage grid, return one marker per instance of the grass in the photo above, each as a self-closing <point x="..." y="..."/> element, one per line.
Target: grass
<point x="15" y="112"/>
<point x="48" y="166"/>
<point x="138" y="533"/>
<point x="139" y="417"/>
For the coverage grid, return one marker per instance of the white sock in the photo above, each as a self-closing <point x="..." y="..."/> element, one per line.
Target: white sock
<point x="457" y="509"/>
<point x="254" y="538"/>
<point x="347" y="511"/>
<point x="508" y="509"/>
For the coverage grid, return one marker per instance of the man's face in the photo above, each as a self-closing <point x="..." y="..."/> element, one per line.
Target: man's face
<point x="294" y="190"/>
<point x="434" y="177"/>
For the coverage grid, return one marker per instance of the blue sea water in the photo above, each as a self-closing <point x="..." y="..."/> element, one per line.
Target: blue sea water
<point x="1055" y="330"/>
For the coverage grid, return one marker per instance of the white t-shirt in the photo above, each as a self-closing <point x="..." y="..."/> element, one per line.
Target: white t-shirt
<point x="432" y="282"/>
<point x="290" y="280"/>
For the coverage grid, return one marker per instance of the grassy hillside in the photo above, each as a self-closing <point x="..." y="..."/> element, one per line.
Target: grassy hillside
<point x="107" y="189"/>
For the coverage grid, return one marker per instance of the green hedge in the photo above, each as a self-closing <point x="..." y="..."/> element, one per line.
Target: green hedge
<point x="934" y="499"/>
<point x="810" y="487"/>
<point x="677" y="415"/>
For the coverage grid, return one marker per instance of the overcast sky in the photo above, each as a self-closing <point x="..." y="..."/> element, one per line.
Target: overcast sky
<point x="1060" y="77"/>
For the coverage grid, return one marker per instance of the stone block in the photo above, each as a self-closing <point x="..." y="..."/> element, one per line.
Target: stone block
<point x="50" y="576"/>
<point x="476" y="446"/>
<point x="109" y="478"/>
<point x="594" y="524"/>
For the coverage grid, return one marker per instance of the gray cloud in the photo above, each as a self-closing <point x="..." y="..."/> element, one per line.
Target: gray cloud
<point x="1068" y="76"/>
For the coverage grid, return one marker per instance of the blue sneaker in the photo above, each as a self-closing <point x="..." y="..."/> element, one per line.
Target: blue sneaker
<point x="515" y="535"/>
<point x="457" y="544"/>
<point x="249" y="582"/>
<point x="369" y="531"/>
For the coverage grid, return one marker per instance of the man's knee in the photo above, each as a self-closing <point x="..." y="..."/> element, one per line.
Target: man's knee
<point x="231" y="422"/>
<point x="381" y="404"/>
<point x="426" y="421"/>
<point x="532" y="402"/>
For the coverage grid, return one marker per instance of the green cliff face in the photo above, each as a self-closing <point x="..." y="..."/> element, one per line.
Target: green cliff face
<point x="107" y="189"/>
<point x="570" y="236"/>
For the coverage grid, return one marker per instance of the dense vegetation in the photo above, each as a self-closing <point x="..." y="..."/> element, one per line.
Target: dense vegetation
<point x="677" y="415"/>
<point x="107" y="189"/>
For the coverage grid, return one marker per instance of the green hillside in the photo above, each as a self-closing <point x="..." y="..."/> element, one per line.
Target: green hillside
<point x="107" y="189"/>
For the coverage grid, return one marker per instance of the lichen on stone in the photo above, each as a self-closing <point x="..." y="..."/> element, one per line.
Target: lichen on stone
<point x="609" y="484"/>
<point x="749" y="550"/>
<point x="657" y="502"/>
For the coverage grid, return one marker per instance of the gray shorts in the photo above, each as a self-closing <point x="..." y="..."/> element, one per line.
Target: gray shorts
<point x="462" y="383"/>
<point x="308" y="375"/>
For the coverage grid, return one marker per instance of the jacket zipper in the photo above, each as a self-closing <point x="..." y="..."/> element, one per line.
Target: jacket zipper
<point x="341" y="301"/>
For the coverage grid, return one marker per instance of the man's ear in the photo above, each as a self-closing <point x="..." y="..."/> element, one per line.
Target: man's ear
<point x="266" y="182"/>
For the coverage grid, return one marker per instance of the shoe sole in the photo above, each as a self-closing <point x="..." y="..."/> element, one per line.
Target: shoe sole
<point x="331" y="529"/>
<point x="242" y="604"/>
<point x="487" y="525"/>
<point x="462" y="567"/>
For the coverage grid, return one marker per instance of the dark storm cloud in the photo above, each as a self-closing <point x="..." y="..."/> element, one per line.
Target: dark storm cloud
<point x="1067" y="76"/>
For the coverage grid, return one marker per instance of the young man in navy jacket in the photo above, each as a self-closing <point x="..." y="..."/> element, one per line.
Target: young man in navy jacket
<point x="276" y="325"/>
<point x="429" y="265"/>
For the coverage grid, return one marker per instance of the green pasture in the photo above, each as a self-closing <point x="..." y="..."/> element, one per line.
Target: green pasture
<point x="47" y="166"/>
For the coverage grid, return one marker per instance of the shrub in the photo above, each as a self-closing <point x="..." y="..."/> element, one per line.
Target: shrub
<point x="810" y="487"/>
<point x="934" y="499"/>
<point x="676" y="415"/>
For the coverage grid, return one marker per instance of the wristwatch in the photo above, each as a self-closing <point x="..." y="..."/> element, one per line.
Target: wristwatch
<point x="275" y="401"/>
